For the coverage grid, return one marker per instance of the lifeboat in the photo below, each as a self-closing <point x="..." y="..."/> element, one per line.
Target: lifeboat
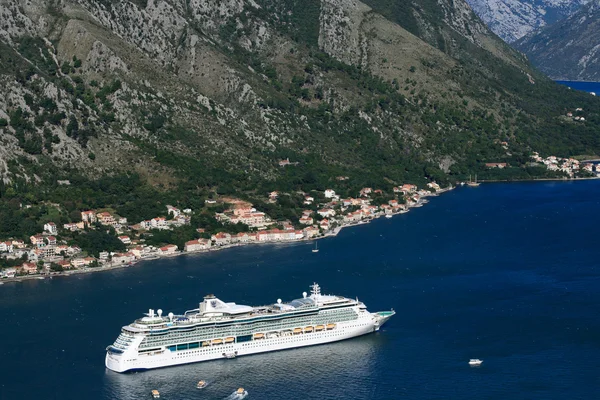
<point x="330" y="326"/>
<point x="319" y="328"/>
<point x="297" y="331"/>
<point x="308" y="329"/>
<point x="259" y="336"/>
<point x="217" y="341"/>
<point x="229" y="340"/>
<point x="204" y="344"/>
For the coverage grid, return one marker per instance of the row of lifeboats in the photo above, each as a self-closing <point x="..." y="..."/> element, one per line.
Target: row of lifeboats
<point x="297" y="331"/>
<point x="218" y="341"/>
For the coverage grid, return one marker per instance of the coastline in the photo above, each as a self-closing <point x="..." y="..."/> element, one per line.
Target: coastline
<point x="332" y="233"/>
<point x="537" y="180"/>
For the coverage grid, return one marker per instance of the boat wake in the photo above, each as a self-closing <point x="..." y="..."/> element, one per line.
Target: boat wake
<point x="236" y="396"/>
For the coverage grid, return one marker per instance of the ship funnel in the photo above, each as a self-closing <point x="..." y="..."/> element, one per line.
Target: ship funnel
<point x="304" y="294"/>
<point x="278" y="301"/>
<point x="159" y="312"/>
<point x="171" y="316"/>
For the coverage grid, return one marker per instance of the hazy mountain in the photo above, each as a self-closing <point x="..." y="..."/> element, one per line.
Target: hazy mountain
<point x="569" y="49"/>
<point x="513" y="19"/>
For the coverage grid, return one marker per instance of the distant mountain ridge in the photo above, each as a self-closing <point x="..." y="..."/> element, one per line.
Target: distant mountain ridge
<point x="569" y="49"/>
<point x="514" y="19"/>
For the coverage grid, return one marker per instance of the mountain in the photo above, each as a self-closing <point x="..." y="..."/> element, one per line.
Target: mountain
<point x="569" y="49"/>
<point x="184" y="99"/>
<point x="513" y="19"/>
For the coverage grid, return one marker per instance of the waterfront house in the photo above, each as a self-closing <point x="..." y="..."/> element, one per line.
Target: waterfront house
<point x="197" y="245"/>
<point x="122" y="258"/>
<point x="168" y="249"/>
<point x="433" y="185"/>
<point x="221" y="238"/>
<point x="242" y="237"/>
<point x="310" y="232"/>
<point x="8" y="272"/>
<point x="51" y="228"/>
<point x="324" y="224"/>
<point x="65" y="264"/>
<point x="77" y="262"/>
<point x="29" y="268"/>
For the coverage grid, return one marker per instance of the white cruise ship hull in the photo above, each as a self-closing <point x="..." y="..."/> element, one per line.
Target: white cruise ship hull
<point x="130" y="360"/>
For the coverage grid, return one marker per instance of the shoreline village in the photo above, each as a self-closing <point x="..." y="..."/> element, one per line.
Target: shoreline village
<point x="102" y="240"/>
<point x="47" y="254"/>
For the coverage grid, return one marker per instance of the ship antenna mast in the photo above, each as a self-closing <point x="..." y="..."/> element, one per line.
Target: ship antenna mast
<point x="315" y="290"/>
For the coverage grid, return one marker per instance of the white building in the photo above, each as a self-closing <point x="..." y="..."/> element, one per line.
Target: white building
<point x="51" y="228"/>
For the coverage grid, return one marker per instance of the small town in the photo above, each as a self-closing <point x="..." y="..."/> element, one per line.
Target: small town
<point x="568" y="166"/>
<point x="48" y="253"/>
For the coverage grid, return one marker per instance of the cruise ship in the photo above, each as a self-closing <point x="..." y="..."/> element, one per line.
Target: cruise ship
<point x="217" y="330"/>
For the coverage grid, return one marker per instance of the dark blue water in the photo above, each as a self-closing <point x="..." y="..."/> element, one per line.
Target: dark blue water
<point x="508" y="273"/>
<point x="584" y="86"/>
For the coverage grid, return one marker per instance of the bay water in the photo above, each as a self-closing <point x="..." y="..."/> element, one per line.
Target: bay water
<point x="508" y="273"/>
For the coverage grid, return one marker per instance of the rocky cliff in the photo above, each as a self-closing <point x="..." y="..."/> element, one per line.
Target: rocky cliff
<point x="208" y="93"/>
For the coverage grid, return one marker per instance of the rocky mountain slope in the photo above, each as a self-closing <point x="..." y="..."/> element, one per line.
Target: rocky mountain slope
<point x="513" y="19"/>
<point x="208" y="94"/>
<point x="569" y="49"/>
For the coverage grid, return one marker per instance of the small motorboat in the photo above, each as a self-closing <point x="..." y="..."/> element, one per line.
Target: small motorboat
<point x="201" y="385"/>
<point x="230" y="355"/>
<point x="155" y="394"/>
<point x="474" y="362"/>
<point x="388" y="215"/>
<point x="241" y="392"/>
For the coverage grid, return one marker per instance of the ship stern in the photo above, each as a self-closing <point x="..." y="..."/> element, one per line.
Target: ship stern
<point x="114" y="362"/>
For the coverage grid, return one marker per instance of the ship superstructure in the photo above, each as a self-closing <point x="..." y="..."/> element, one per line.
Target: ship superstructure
<point x="226" y="330"/>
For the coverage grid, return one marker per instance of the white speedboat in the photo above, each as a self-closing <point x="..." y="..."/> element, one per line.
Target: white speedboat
<point x="155" y="394"/>
<point x="241" y="393"/>
<point x="201" y="385"/>
<point x="388" y="215"/>
<point x="475" y="362"/>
